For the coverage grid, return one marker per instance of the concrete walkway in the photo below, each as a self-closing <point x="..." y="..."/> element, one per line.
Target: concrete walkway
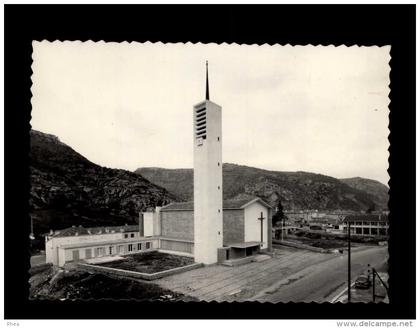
<point x="221" y="283"/>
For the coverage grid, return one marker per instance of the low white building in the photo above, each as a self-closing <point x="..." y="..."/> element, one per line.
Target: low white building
<point x="367" y="225"/>
<point x="79" y="243"/>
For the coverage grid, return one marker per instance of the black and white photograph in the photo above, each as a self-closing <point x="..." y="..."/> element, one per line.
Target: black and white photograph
<point x="197" y="173"/>
<point x="209" y="172"/>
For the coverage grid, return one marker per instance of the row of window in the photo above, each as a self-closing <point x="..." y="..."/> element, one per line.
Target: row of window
<point x="367" y="223"/>
<point x="131" y="235"/>
<point x="368" y="231"/>
<point x="111" y="250"/>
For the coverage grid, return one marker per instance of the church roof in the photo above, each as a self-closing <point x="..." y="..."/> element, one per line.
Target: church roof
<point x="230" y="204"/>
<point x="79" y="231"/>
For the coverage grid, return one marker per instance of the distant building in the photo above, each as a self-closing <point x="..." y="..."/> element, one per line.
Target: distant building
<point x="367" y="224"/>
<point x="79" y="243"/>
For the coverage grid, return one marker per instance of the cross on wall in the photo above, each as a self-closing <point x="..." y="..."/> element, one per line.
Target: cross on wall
<point x="262" y="218"/>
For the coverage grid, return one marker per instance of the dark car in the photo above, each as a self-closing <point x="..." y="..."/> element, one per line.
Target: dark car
<point x="362" y="282"/>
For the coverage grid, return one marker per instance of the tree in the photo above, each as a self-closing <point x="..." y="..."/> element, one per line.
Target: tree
<point x="371" y="209"/>
<point x="279" y="215"/>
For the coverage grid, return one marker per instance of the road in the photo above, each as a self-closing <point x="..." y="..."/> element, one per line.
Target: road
<point x="323" y="281"/>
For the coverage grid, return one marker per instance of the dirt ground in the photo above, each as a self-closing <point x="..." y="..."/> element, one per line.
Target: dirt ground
<point x="149" y="262"/>
<point x="59" y="284"/>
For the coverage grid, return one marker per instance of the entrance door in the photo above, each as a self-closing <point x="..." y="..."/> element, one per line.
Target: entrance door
<point x="248" y="251"/>
<point x="76" y="255"/>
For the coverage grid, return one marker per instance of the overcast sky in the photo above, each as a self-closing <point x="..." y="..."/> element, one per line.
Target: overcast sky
<point x="302" y="108"/>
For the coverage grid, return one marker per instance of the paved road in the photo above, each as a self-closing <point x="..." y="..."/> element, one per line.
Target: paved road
<point x="323" y="281"/>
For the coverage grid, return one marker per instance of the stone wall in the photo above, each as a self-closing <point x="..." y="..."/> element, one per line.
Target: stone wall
<point x="233" y="226"/>
<point x="137" y="275"/>
<point x="178" y="224"/>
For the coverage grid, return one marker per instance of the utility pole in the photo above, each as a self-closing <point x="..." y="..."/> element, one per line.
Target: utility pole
<point x="282" y="228"/>
<point x="349" y="264"/>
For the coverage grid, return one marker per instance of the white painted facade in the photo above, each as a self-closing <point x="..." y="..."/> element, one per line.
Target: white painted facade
<point x="148" y="223"/>
<point x="53" y="243"/>
<point x="74" y="252"/>
<point x="62" y="249"/>
<point x="208" y="181"/>
<point x="253" y="225"/>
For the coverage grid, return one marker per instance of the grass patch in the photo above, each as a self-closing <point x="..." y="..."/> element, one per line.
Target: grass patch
<point x="151" y="262"/>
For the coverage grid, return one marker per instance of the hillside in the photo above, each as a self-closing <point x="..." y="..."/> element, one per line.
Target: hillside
<point x="67" y="189"/>
<point x="296" y="190"/>
<point x="376" y="190"/>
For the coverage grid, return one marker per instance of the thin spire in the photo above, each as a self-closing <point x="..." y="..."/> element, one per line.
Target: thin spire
<point x="207" y="81"/>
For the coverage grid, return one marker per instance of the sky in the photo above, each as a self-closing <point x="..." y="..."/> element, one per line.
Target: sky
<point x="320" y="109"/>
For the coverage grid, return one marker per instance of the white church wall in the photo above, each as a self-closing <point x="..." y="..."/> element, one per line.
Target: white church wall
<point x="253" y="225"/>
<point x="148" y="218"/>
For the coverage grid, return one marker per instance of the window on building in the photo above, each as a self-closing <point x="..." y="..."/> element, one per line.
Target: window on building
<point x="126" y="235"/>
<point x="132" y="235"/>
<point x="139" y="246"/>
<point x="218" y="210"/>
<point x="366" y="231"/>
<point x="218" y="187"/>
<point x="99" y="251"/>
<point x="358" y="223"/>
<point x="218" y="138"/>
<point x="358" y="231"/>
<point x="148" y="245"/>
<point x="121" y="249"/>
<point x="374" y="223"/>
<point x="218" y="163"/>
<point x="374" y="231"/>
<point x="130" y="247"/>
<point x="110" y="250"/>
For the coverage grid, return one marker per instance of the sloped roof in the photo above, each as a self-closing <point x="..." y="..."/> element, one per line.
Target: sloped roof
<point x="230" y="204"/>
<point x="367" y="217"/>
<point x="79" y="231"/>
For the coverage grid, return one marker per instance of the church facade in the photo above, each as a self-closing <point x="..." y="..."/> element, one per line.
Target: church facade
<point x="244" y="232"/>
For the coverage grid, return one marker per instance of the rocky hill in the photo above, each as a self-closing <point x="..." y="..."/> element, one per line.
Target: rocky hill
<point x="67" y="189"/>
<point x="296" y="190"/>
<point x="376" y="190"/>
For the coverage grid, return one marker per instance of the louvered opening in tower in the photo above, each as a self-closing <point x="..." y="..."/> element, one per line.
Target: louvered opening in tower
<point x="200" y="123"/>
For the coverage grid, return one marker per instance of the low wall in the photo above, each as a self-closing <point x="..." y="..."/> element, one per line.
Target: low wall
<point x="302" y="246"/>
<point x="139" y="275"/>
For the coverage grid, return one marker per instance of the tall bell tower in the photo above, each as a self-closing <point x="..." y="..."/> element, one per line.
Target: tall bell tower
<point x="208" y="180"/>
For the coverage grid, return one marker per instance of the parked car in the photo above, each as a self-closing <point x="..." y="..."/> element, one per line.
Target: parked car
<point x="362" y="282"/>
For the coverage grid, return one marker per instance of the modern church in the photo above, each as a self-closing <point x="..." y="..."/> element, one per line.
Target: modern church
<point x="211" y="229"/>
